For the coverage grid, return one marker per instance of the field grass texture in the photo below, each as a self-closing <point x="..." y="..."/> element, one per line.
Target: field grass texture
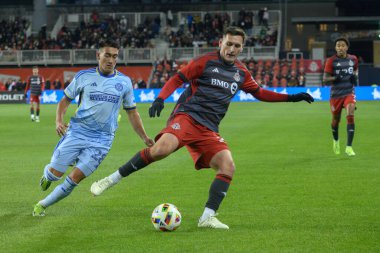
<point x="290" y="192"/>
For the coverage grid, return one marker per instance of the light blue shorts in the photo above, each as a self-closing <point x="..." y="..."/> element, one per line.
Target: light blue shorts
<point x="86" y="155"/>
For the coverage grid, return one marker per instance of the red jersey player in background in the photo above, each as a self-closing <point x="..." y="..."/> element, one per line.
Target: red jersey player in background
<point x="214" y="78"/>
<point x="36" y="84"/>
<point x="342" y="70"/>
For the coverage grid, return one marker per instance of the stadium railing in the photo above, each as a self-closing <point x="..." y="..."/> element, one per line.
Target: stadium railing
<point x="257" y="53"/>
<point x="126" y="56"/>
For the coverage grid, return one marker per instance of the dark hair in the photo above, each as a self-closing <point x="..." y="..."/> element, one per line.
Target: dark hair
<point x="35" y="67"/>
<point x="234" y="30"/>
<point x="108" y="43"/>
<point x="343" y="39"/>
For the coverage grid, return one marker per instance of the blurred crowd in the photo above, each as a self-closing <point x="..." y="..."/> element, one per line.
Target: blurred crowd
<point x="13" y="34"/>
<point x="193" y="31"/>
<point x="267" y="73"/>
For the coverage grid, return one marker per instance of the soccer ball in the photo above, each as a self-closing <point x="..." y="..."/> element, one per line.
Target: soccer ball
<point x="166" y="217"/>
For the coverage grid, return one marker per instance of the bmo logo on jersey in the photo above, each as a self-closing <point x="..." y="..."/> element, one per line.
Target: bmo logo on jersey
<point x="233" y="86"/>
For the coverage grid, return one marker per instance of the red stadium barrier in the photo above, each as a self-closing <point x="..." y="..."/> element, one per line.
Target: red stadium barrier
<point x="67" y="73"/>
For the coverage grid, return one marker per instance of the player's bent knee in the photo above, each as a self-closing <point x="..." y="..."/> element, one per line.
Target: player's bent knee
<point x="52" y="174"/>
<point x="77" y="175"/>
<point x="227" y="168"/>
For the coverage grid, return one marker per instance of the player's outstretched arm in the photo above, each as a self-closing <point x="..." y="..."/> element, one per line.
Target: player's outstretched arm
<point x="271" y="96"/>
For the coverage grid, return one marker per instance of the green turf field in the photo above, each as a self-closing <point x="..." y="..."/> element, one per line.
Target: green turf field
<point x="290" y="192"/>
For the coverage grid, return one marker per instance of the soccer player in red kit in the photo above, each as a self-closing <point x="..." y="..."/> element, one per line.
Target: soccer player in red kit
<point x="194" y="123"/>
<point x="36" y="85"/>
<point x="342" y="70"/>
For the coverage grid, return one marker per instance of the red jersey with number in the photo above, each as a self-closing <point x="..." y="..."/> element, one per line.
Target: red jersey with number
<point x="344" y="67"/>
<point x="35" y="84"/>
<point x="213" y="84"/>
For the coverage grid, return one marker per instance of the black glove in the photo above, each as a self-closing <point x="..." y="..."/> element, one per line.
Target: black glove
<point x="354" y="80"/>
<point x="25" y="95"/>
<point x="156" y="107"/>
<point x="301" y="96"/>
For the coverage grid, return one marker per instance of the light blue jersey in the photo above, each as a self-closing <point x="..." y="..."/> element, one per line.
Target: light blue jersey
<point x="92" y="129"/>
<point x="100" y="98"/>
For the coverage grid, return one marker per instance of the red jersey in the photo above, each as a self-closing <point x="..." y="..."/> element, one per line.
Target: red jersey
<point x="36" y="85"/>
<point x="213" y="84"/>
<point x="344" y="67"/>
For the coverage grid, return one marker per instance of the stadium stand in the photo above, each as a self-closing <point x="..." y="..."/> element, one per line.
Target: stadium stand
<point x="158" y="34"/>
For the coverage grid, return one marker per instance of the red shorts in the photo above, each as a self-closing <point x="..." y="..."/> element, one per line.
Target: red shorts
<point x="35" y="99"/>
<point x="201" y="142"/>
<point x="337" y="104"/>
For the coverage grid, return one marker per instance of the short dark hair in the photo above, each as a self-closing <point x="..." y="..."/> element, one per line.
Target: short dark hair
<point x="235" y="31"/>
<point x="343" y="39"/>
<point x="109" y="43"/>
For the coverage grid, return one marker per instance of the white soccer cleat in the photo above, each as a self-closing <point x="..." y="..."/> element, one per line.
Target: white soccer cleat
<point x="100" y="186"/>
<point x="37" y="119"/>
<point x="212" y="222"/>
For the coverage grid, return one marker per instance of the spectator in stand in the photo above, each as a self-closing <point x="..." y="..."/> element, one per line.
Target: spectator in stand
<point x="301" y="80"/>
<point x="20" y="85"/>
<point x="8" y="83"/>
<point x="12" y="86"/>
<point x="274" y="82"/>
<point x="67" y="82"/>
<point x="57" y="84"/>
<point x="141" y="84"/>
<point x="266" y="17"/>
<point x="283" y="82"/>
<point x="169" y="17"/>
<point x="154" y="84"/>
<point x="47" y="84"/>
<point x="123" y="24"/>
<point x="293" y="81"/>
<point x="260" y="16"/>
<point x="162" y="81"/>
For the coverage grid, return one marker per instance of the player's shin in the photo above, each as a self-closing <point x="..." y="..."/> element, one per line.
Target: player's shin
<point x="335" y="128"/>
<point x="350" y="129"/>
<point x="139" y="161"/>
<point x="60" y="192"/>
<point x="218" y="190"/>
<point x="32" y="113"/>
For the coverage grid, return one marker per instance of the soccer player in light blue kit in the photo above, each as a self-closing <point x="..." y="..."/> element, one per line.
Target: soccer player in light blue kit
<point x="89" y="136"/>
